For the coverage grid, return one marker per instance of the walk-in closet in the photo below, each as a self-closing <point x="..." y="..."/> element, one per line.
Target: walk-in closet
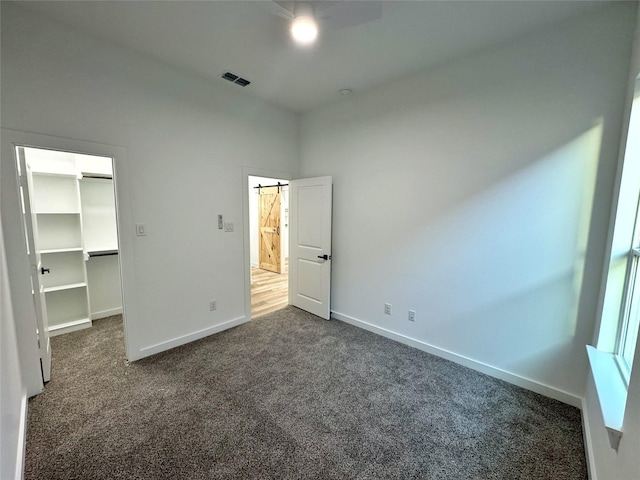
<point x="70" y="219"/>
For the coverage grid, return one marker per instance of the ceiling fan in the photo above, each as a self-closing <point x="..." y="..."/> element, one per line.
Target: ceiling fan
<point x="307" y="16"/>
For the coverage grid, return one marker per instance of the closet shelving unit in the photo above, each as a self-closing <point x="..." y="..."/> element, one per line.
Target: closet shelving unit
<point x="60" y="240"/>
<point x="73" y="209"/>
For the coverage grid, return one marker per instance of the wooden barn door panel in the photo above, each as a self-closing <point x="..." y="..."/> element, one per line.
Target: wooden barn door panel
<point x="269" y="222"/>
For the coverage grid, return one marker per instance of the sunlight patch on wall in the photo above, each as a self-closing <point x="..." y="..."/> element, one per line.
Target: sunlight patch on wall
<point x="513" y="255"/>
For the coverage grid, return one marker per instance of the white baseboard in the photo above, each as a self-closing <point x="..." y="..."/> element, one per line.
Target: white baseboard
<point x="514" y="379"/>
<point x="106" y="313"/>
<point x="176" y="342"/>
<point x="22" y="438"/>
<point x="588" y="446"/>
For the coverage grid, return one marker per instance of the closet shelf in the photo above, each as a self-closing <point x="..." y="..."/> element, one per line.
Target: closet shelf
<point x="68" y="174"/>
<point x="61" y="250"/>
<point x="69" y="286"/>
<point x="69" y="326"/>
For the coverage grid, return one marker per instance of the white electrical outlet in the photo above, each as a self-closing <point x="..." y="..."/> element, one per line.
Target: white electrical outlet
<point x="213" y="304"/>
<point x="412" y="315"/>
<point x="387" y="309"/>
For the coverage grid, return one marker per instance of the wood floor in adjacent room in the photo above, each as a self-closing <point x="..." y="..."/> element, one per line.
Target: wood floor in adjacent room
<point x="269" y="291"/>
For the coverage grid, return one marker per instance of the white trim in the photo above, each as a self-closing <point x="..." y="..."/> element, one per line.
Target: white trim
<point x="586" y="437"/>
<point x="611" y="390"/>
<point x="22" y="438"/>
<point x="106" y="313"/>
<point x="184" y="339"/>
<point x="246" y="173"/>
<point x="512" y="378"/>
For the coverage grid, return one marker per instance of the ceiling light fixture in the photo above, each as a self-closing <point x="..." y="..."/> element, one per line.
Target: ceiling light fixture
<point x="304" y="28"/>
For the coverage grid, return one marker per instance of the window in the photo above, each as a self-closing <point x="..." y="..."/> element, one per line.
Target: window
<point x="612" y="359"/>
<point x="620" y="321"/>
<point x="630" y="313"/>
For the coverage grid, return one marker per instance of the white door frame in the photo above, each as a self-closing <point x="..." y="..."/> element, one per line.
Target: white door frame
<point x="15" y="241"/>
<point x="246" y="173"/>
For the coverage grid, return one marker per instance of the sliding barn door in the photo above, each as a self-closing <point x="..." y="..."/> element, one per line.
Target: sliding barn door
<point x="269" y="222"/>
<point x="310" y="246"/>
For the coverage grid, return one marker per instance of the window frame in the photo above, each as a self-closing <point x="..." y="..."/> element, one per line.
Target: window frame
<point x="625" y="323"/>
<point x="631" y="289"/>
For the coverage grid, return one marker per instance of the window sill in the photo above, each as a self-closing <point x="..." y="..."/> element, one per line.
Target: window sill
<point x="612" y="392"/>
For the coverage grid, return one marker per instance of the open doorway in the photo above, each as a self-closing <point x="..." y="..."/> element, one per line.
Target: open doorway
<point x="69" y="217"/>
<point x="268" y="205"/>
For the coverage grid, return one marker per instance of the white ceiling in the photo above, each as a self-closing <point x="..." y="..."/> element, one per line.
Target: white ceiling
<point x="248" y="39"/>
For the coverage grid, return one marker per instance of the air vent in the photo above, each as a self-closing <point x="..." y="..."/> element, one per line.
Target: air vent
<point x="229" y="76"/>
<point x="243" y="82"/>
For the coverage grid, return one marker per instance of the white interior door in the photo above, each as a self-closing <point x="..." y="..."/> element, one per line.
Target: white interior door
<point x="36" y="267"/>
<point x="310" y="245"/>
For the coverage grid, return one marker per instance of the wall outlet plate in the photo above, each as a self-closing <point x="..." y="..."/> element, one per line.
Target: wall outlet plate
<point x="412" y="315"/>
<point x="387" y="309"/>
<point x="213" y="305"/>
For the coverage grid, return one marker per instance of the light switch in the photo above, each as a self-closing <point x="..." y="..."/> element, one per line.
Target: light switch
<point x="140" y="230"/>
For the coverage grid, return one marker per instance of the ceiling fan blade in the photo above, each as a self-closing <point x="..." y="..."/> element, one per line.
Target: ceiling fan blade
<point x="282" y="9"/>
<point x="348" y="13"/>
<point x="331" y="14"/>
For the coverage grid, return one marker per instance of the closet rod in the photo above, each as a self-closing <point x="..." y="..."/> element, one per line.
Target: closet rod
<point x="97" y="175"/>
<point x="103" y="254"/>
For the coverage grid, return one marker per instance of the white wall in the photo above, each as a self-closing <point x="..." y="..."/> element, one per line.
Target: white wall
<point x="186" y="141"/>
<point x="105" y="288"/>
<point x="13" y="394"/>
<point x="466" y="194"/>
<point x="606" y="463"/>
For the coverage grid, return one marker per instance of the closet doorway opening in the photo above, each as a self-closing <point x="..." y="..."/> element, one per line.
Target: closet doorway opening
<point x="69" y="211"/>
<point x="269" y="244"/>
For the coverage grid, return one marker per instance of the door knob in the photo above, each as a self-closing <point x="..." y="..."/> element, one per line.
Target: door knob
<point x="325" y="257"/>
<point x="44" y="270"/>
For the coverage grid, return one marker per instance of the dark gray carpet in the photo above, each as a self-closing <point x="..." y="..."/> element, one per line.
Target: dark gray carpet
<point x="288" y="396"/>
